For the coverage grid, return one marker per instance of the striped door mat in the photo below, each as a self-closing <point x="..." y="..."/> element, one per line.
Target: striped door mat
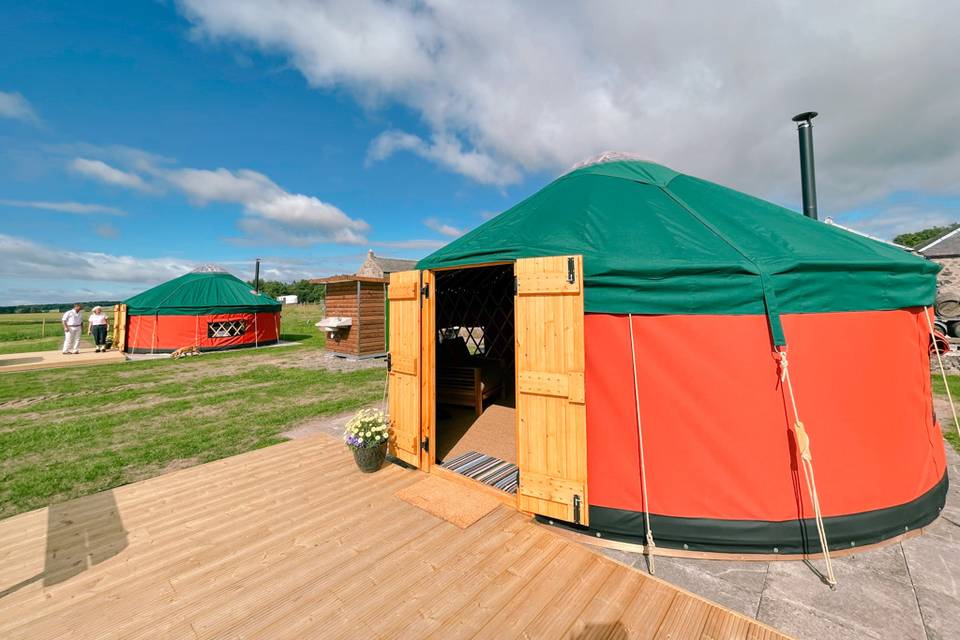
<point x="486" y="469"/>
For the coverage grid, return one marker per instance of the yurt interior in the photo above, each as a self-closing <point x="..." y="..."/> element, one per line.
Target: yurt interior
<point x="474" y="374"/>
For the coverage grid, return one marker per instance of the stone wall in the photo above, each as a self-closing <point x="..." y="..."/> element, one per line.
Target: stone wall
<point x="370" y="268"/>
<point x="949" y="278"/>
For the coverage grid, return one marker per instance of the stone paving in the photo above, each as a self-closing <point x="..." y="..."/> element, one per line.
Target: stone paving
<point x="905" y="591"/>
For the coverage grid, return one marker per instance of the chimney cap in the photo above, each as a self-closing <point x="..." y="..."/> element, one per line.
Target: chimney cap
<point x="806" y="116"/>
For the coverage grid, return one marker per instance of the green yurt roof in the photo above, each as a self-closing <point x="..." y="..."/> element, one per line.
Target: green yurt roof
<point x="199" y="293"/>
<point x="655" y="241"/>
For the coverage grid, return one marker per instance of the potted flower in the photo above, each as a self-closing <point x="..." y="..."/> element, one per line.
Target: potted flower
<point x="366" y="435"/>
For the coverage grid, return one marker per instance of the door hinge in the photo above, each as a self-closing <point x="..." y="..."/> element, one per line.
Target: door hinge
<point x="425" y="290"/>
<point x="389" y="362"/>
<point x="576" y="509"/>
<point x="425" y="445"/>
<point x="571" y="270"/>
<point x="516" y="285"/>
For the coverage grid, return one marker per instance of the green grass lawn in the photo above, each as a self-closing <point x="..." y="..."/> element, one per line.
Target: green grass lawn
<point x="69" y="432"/>
<point x="949" y="428"/>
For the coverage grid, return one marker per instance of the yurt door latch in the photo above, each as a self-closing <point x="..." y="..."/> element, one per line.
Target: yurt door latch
<point x="571" y="271"/>
<point x="576" y="509"/>
<point x="425" y="445"/>
<point x="425" y="290"/>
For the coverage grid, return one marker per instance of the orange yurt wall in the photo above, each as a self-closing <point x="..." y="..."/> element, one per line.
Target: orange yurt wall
<point x="721" y="461"/>
<point x="160" y="334"/>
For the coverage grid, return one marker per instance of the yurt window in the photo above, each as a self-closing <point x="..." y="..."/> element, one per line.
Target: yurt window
<point x="475" y="419"/>
<point x="228" y="329"/>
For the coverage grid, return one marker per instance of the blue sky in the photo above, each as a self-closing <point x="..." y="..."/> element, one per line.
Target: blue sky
<point x="138" y="139"/>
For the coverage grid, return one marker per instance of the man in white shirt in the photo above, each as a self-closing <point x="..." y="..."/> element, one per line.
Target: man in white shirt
<point x="72" y="324"/>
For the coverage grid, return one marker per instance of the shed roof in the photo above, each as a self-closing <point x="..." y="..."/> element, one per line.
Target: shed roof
<point x="392" y="265"/>
<point x="348" y="278"/>
<point x="945" y="246"/>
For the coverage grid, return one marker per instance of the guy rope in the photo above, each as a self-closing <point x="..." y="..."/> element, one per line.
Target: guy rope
<point x="943" y="373"/>
<point x="806" y="458"/>
<point x="650" y="546"/>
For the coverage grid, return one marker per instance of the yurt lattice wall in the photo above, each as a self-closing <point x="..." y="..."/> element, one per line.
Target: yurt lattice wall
<point x="477" y="304"/>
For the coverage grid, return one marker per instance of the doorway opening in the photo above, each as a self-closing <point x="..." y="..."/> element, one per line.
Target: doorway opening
<point x="475" y="376"/>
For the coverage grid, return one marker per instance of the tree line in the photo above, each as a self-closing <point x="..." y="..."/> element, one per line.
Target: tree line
<point x="916" y="239"/>
<point x="303" y="289"/>
<point x="56" y="306"/>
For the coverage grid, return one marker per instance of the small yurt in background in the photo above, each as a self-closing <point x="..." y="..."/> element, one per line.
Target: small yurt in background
<point x="207" y="308"/>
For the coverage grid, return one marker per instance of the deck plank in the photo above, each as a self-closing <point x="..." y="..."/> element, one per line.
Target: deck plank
<point x="292" y="541"/>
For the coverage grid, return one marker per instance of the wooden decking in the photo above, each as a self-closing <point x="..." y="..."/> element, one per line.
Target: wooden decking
<point x="51" y="359"/>
<point x="293" y="542"/>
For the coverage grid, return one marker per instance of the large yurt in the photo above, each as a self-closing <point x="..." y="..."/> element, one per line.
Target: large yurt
<point x="207" y="308"/>
<point x="687" y="365"/>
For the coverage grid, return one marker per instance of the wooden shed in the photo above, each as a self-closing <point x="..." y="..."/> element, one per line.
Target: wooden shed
<point x="355" y="318"/>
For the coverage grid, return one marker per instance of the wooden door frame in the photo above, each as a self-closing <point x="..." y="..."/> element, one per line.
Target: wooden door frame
<point x="428" y="371"/>
<point x="428" y="382"/>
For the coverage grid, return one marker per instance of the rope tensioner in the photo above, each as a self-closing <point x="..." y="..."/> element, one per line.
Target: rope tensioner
<point x="806" y="459"/>
<point x="648" y="549"/>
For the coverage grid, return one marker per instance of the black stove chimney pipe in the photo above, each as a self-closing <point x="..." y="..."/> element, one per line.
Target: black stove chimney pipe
<point x="256" y="277"/>
<point x="808" y="178"/>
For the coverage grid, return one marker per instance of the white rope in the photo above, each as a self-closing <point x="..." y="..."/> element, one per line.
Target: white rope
<point x="806" y="458"/>
<point x="943" y="372"/>
<point x="153" y="338"/>
<point x="136" y="338"/>
<point x="643" y="464"/>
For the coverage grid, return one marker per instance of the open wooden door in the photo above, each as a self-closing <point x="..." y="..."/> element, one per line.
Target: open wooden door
<point x="551" y="413"/>
<point x="404" y="366"/>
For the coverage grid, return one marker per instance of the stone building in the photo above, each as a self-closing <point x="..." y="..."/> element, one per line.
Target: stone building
<point x="945" y="251"/>
<point x="379" y="267"/>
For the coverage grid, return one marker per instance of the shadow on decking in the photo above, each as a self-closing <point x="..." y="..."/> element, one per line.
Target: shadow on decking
<point x="80" y="534"/>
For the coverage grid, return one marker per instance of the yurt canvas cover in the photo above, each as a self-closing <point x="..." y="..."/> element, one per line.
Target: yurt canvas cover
<point x="708" y="283"/>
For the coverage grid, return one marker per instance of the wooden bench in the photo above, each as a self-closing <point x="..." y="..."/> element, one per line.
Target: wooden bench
<point x="463" y="386"/>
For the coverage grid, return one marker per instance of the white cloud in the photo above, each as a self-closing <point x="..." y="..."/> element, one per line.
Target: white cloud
<point x="901" y="218"/>
<point x="272" y="213"/>
<point x="425" y="245"/>
<point x="707" y="88"/>
<point x="100" y="170"/>
<point x="288" y="269"/>
<point x="16" y="107"/>
<point x="26" y="259"/>
<point x="64" y="207"/>
<point x="448" y="152"/>
<point x="443" y="228"/>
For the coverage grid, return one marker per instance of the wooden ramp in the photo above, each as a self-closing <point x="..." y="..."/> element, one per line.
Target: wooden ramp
<point x="293" y="542"/>
<point x="51" y="359"/>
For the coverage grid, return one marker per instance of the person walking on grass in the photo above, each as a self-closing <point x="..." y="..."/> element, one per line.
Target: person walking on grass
<point x="72" y="325"/>
<point x="98" y="328"/>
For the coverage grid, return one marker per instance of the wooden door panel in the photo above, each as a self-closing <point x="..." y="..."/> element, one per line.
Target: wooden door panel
<point x="404" y="376"/>
<point x="551" y="414"/>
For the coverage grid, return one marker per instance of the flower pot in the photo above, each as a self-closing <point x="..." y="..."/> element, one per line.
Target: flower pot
<point x="369" y="459"/>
